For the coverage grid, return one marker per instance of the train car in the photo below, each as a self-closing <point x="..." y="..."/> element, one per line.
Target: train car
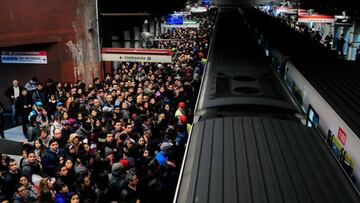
<point x="248" y="142"/>
<point x="325" y="87"/>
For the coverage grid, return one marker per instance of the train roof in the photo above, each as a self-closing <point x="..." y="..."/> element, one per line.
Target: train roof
<point x="253" y="159"/>
<point x="337" y="81"/>
<point x="238" y="72"/>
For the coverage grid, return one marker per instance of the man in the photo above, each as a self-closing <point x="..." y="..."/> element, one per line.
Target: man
<point x="60" y="109"/>
<point x="340" y="45"/>
<point x="21" y="195"/>
<point x="39" y="94"/>
<point x="51" y="158"/>
<point x="13" y="92"/>
<point x="31" y="85"/>
<point x="59" y="138"/>
<point x="118" y="180"/>
<point x="181" y="109"/>
<point x="62" y="192"/>
<point x="11" y="179"/>
<point x="31" y="166"/>
<point x="63" y="175"/>
<point x="23" y="106"/>
<point x="130" y="193"/>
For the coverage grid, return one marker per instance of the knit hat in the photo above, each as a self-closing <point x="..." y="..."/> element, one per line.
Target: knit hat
<point x="183" y="119"/>
<point x="181" y="105"/>
<point x="117" y="169"/>
<point x="108" y="151"/>
<point x="164" y="146"/>
<point x="125" y="163"/>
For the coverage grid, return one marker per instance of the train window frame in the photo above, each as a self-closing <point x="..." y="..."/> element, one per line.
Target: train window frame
<point x="310" y="115"/>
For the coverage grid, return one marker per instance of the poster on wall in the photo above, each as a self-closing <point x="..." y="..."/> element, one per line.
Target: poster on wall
<point x="24" y="57"/>
<point x="342" y="136"/>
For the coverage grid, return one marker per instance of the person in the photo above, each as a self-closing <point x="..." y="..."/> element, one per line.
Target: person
<point x="75" y="198"/>
<point x="51" y="158"/>
<point x="46" y="191"/>
<point x="13" y="92"/>
<point x="31" y="85"/>
<point x="328" y="41"/>
<point x="317" y="36"/>
<point x="21" y="195"/>
<point x="11" y="179"/>
<point x="23" y="107"/>
<point x="2" y="121"/>
<point x="130" y="192"/>
<point x="357" y="56"/>
<point x="39" y="94"/>
<point x="62" y="192"/>
<point x="31" y="166"/>
<point x="340" y="45"/>
<point x="33" y="194"/>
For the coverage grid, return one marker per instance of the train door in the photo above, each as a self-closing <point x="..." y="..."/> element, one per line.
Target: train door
<point x="312" y="118"/>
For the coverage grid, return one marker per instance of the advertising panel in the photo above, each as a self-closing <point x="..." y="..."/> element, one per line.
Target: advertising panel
<point x="342" y="136"/>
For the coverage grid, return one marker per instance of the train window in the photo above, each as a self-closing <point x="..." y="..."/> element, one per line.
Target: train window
<point x="312" y="118"/>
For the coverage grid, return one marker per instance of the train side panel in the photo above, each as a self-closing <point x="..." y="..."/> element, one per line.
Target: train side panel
<point x="308" y="97"/>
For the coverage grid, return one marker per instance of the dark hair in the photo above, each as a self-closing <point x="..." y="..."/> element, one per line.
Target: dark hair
<point x="59" y="184"/>
<point x="52" y="141"/>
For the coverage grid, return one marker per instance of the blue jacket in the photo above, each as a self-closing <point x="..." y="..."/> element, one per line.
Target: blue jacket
<point x="51" y="160"/>
<point x="62" y="198"/>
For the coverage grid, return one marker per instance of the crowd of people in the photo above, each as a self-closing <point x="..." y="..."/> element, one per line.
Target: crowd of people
<point x="117" y="140"/>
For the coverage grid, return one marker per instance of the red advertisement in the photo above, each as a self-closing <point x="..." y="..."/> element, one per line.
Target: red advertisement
<point x="342" y="136"/>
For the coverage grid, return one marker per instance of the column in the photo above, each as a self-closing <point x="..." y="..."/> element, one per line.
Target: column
<point x="136" y="37"/>
<point x="127" y="38"/>
<point x="115" y="43"/>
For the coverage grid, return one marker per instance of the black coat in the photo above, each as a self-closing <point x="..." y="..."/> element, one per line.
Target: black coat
<point x="20" y="102"/>
<point x="10" y="92"/>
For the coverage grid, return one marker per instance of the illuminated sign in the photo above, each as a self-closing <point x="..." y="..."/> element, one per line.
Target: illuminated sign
<point x="22" y="57"/>
<point x="137" y="58"/>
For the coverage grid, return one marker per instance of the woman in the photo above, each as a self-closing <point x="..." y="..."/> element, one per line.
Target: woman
<point x="39" y="149"/>
<point x="45" y="120"/>
<point x="75" y="198"/>
<point x="46" y="190"/>
<point x="44" y="137"/>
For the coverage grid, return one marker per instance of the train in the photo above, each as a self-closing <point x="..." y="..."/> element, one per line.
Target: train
<point x="250" y="141"/>
<point x="325" y="86"/>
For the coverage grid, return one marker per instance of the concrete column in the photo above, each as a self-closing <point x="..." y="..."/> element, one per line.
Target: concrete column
<point x="157" y="27"/>
<point x="115" y="43"/>
<point x="145" y="26"/>
<point x="152" y="26"/>
<point x="127" y="38"/>
<point x="136" y="37"/>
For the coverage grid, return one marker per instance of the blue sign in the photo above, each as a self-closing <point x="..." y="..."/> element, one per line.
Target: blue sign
<point x="174" y="19"/>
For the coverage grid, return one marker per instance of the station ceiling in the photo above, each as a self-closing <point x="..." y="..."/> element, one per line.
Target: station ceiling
<point x="163" y="7"/>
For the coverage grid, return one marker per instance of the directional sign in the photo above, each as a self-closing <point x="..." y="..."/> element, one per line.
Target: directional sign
<point x="137" y="58"/>
<point x="34" y="57"/>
